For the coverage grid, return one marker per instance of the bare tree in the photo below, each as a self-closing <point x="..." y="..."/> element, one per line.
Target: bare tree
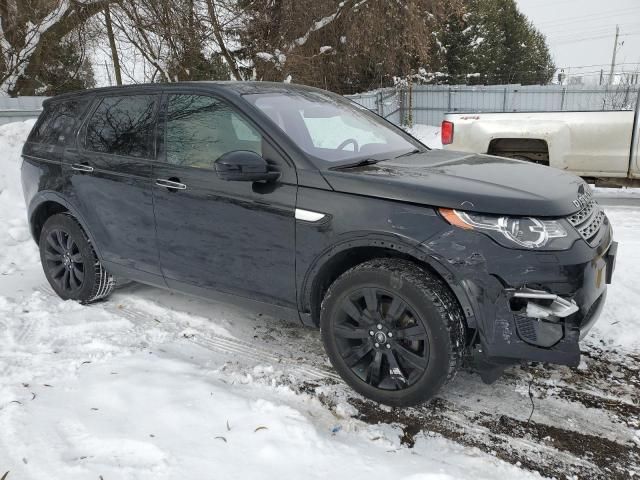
<point x="623" y="94"/>
<point x="112" y="45"/>
<point x="27" y="26"/>
<point x="177" y="37"/>
<point x="345" y="45"/>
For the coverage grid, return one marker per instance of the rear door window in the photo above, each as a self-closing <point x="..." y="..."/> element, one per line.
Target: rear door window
<point x="58" y="120"/>
<point x="123" y="125"/>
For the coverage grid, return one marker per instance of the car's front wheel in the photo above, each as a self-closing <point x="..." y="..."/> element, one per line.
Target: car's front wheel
<point x="393" y="331"/>
<point x="70" y="262"/>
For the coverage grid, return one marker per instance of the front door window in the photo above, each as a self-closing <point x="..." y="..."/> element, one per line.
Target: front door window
<point x="200" y="129"/>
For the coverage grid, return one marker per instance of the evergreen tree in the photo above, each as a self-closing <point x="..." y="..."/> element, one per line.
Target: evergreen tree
<point x="495" y="43"/>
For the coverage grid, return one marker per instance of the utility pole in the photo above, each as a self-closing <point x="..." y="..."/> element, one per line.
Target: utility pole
<point x="613" y="58"/>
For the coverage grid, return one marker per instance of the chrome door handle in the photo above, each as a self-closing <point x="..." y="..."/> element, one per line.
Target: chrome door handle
<point x="81" y="167"/>
<point x="170" y="184"/>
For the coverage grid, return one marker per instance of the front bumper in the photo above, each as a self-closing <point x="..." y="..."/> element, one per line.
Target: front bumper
<point x="499" y="285"/>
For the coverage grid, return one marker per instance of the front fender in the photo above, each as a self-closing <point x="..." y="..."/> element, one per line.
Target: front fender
<point x="397" y="243"/>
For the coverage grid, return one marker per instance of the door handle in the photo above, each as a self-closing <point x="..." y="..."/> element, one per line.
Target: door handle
<point x="170" y="184"/>
<point x="82" y="167"/>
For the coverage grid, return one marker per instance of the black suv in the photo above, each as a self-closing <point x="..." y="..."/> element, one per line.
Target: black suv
<point x="304" y="205"/>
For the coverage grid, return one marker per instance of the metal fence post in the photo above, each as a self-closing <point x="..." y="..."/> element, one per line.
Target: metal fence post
<point x="410" y="119"/>
<point x="504" y="100"/>
<point x="626" y="97"/>
<point x="401" y="93"/>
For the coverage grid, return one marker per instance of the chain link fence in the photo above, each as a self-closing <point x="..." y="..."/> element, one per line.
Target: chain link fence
<point x="427" y="104"/>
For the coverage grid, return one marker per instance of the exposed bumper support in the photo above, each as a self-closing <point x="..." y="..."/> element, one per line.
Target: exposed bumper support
<point x="539" y="316"/>
<point x="558" y="308"/>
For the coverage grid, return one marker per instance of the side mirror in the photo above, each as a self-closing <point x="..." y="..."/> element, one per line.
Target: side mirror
<point x="244" y="166"/>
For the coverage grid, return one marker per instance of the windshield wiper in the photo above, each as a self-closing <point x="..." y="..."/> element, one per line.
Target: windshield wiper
<point x="409" y="153"/>
<point x="360" y="163"/>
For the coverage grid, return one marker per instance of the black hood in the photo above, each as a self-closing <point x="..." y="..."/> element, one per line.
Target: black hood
<point x="472" y="182"/>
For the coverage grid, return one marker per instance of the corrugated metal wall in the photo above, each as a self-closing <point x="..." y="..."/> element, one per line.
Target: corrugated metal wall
<point x="427" y="104"/>
<point x="20" y="108"/>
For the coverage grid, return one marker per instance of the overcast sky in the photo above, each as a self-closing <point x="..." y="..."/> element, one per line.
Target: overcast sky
<point x="581" y="32"/>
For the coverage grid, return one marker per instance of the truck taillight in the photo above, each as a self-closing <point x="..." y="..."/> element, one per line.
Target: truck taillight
<point x="446" y="132"/>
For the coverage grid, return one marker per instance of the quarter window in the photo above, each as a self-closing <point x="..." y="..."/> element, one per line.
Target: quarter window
<point x="123" y="126"/>
<point x="58" y="120"/>
<point x="200" y="129"/>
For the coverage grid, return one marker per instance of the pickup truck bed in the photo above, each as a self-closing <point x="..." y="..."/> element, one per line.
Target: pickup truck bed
<point x="594" y="145"/>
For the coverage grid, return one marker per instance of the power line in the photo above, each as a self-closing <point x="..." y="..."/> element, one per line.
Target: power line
<point x="582" y="18"/>
<point x="587" y="29"/>
<point x="584" y="39"/>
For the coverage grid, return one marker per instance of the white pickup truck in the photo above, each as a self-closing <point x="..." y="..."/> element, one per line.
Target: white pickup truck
<point x="599" y="146"/>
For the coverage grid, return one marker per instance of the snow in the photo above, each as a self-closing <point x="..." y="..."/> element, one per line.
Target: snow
<point x="16" y="62"/>
<point x="619" y="325"/>
<point x="427" y="134"/>
<point x="477" y="42"/>
<point x="264" y="56"/>
<point x="156" y="385"/>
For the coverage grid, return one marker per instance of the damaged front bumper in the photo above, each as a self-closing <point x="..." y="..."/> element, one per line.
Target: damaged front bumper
<point x="528" y="305"/>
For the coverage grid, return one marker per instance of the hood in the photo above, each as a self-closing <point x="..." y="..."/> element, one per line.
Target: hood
<point x="472" y="182"/>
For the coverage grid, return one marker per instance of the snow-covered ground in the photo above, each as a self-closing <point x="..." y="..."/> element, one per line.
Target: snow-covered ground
<point x="155" y="385"/>
<point x="427" y="134"/>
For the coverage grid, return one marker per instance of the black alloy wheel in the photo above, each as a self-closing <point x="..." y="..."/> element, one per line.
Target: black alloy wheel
<point x="64" y="261"/>
<point x="393" y="330"/>
<point x="381" y="339"/>
<point x="70" y="262"/>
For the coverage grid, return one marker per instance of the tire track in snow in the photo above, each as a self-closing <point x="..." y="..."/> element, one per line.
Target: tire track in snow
<point x="534" y="445"/>
<point x="217" y="343"/>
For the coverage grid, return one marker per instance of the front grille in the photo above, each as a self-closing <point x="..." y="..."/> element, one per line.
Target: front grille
<point x="588" y="221"/>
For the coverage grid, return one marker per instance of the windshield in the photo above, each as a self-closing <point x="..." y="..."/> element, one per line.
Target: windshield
<point x="331" y="128"/>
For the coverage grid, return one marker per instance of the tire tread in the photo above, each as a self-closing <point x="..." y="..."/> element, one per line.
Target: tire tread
<point x="104" y="281"/>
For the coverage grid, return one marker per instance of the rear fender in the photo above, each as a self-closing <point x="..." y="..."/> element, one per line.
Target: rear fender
<point x="556" y="135"/>
<point x="45" y="196"/>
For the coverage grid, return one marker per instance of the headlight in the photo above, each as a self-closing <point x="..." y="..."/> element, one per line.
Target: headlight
<point x="524" y="232"/>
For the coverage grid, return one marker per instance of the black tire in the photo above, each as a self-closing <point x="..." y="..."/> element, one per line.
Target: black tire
<point x="70" y="262"/>
<point x="404" y="369"/>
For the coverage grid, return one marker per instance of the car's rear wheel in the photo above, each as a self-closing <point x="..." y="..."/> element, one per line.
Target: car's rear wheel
<point x="393" y="331"/>
<point x="70" y="262"/>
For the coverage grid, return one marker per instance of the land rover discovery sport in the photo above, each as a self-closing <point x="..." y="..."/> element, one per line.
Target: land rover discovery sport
<point x="300" y="204"/>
